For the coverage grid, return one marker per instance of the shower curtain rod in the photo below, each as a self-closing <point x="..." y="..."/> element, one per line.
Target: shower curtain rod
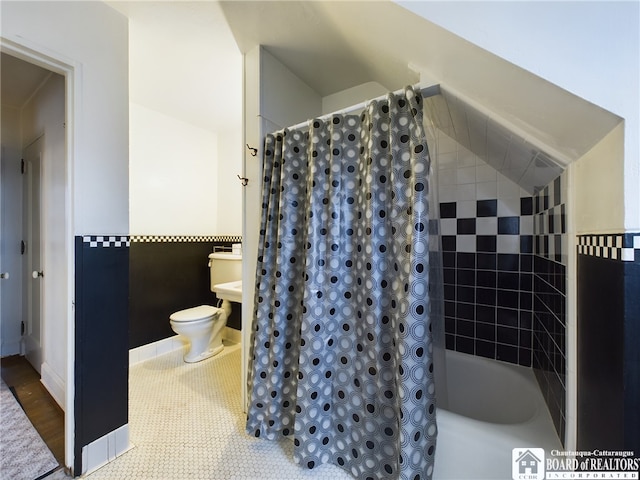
<point x="429" y="91"/>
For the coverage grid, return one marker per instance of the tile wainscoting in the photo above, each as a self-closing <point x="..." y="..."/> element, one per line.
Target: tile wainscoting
<point x="608" y="367"/>
<point x="167" y="274"/>
<point x="101" y="346"/>
<point x="125" y="289"/>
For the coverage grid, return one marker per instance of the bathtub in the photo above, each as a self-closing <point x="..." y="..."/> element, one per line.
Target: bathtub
<point x="493" y="407"/>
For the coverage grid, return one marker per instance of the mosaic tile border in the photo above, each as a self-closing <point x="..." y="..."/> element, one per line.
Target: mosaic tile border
<point x="618" y="246"/>
<point x="106" y="241"/>
<point x="186" y="238"/>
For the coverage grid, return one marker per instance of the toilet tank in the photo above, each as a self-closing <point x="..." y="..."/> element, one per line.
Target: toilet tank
<point x="224" y="267"/>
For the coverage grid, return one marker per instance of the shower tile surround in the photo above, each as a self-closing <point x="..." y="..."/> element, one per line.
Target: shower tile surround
<point x="549" y="302"/>
<point x="504" y="259"/>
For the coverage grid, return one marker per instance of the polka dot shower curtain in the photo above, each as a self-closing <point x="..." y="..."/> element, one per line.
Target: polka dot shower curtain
<point x="342" y="348"/>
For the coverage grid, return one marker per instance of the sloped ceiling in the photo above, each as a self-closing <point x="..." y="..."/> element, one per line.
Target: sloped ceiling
<point x="183" y="61"/>
<point x="337" y="45"/>
<point x="319" y="42"/>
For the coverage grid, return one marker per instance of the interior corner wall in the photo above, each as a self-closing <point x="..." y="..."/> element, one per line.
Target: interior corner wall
<point x="284" y="98"/>
<point x="598" y="185"/>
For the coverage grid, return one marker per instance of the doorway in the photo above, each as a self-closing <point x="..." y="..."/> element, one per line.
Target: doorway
<point x="36" y="302"/>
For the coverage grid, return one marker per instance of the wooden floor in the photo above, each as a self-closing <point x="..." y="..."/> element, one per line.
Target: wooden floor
<point x="43" y="411"/>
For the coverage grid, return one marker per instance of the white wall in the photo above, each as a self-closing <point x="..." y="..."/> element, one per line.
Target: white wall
<point x="591" y="49"/>
<point x="228" y="188"/>
<point x="44" y="114"/>
<point x="173" y="173"/>
<point x="93" y="38"/>
<point x="597" y="193"/>
<point x="352" y="96"/>
<point x="284" y="98"/>
<point x="184" y="152"/>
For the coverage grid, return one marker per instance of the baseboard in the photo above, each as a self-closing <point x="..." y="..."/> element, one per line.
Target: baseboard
<point x="170" y="344"/>
<point x="155" y="349"/>
<point x="54" y="384"/>
<point x="105" y="449"/>
<point x="232" y="335"/>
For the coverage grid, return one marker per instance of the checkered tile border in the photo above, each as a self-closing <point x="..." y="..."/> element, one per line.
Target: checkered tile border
<point x="622" y="246"/>
<point x="550" y="223"/>
<point x="106" y="241"/>
<point x="185" y="238"/>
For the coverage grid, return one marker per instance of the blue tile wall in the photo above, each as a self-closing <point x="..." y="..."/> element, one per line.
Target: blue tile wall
<point x="488" y="280"/>
<point x="549" y="301"/>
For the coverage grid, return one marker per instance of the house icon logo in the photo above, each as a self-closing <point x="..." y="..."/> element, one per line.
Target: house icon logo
<point x="527" y="463"/>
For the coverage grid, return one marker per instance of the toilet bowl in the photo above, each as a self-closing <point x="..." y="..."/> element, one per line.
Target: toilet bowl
<point x="202" y="326"/>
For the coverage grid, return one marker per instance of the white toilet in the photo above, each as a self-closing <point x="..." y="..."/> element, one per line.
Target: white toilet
<point x="202" y="326"/>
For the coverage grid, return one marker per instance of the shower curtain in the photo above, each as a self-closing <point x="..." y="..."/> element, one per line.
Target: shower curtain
<point x="342" y="347"/>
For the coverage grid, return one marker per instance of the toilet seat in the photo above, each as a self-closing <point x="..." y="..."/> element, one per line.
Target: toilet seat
<point x="194" y="314"/>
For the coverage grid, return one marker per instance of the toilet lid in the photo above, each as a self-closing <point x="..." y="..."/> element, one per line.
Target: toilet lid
<point x="195" y="313"/>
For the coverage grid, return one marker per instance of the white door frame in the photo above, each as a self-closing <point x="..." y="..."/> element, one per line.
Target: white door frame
<point x="71" y="70"/>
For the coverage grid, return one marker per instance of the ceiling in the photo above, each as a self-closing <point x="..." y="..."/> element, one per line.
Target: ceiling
<point x="19" y="80"/>
<point x="184" y="62"/>
<point x="335" y="45"/>
<point x="325" y="43"/>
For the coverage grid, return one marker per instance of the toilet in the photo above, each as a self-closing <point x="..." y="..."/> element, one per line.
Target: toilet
<point x="203" y="325"/>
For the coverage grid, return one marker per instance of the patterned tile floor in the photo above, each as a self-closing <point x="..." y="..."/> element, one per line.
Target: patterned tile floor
<point x="186" y="422"/>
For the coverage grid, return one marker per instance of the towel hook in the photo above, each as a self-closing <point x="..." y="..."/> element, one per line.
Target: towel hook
<point x="244" y="180"/>
<point x="254" y="151"/>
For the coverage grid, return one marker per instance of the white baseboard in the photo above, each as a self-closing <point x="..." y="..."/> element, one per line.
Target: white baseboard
<point x="54" y="383"/>
<point x="170" y="344"/>
<point x="105" y="449"/>
<point x="155" y="349"/>
<point x="232" y="335"/>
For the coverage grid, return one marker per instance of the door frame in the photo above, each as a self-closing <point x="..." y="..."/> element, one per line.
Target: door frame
<point x="72" y="72"/>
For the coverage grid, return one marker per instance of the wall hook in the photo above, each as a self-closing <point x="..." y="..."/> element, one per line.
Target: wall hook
<point x="244" y="180"/>
<point x="254" y="151"/>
